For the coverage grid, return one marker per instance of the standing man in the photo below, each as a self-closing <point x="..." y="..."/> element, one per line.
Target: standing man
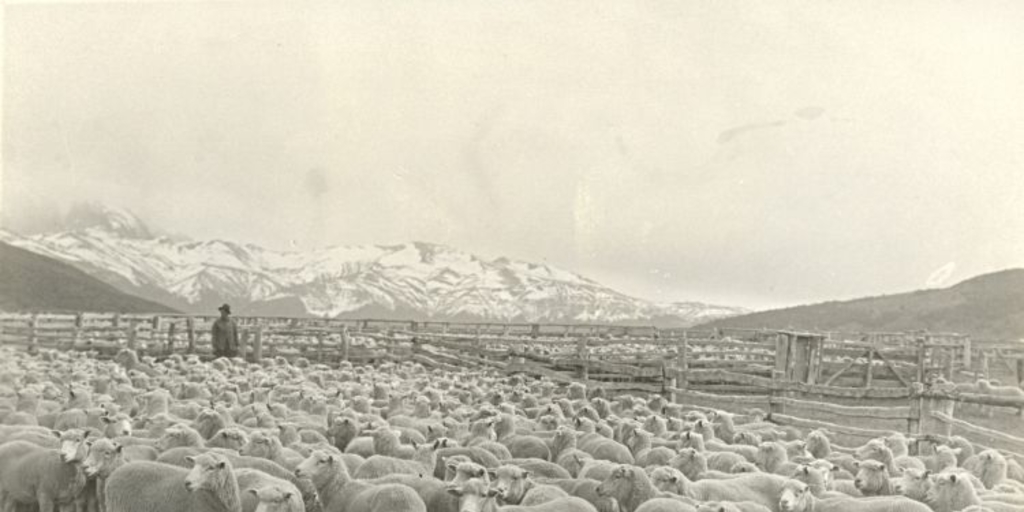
<point x="225" y="334"/>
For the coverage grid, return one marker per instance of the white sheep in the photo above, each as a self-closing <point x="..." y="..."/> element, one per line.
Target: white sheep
<point x="210" y="486"/>
<point x="475" y="496"/>
<point x="796" y="496"/>
<point x="340" y="493"/>
<point x="31" y="474"/>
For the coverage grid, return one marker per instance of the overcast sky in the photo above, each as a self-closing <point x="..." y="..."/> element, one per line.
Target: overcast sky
<point x="743" y="153"/>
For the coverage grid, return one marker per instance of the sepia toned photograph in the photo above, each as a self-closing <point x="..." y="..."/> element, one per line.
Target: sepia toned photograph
<point x="530" y="256"/>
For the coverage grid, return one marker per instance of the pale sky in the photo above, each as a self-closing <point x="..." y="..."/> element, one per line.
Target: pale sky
<point x="759" y="153"/>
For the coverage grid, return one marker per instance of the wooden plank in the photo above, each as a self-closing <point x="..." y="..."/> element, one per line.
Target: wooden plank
<point x="840" y="372"/>
<point x="688" y="395"/>
<point x="886" y="413"/>
<point x="892" y="368"/>
<point x="784" y="419"/>
<point x="1017" y="442"/>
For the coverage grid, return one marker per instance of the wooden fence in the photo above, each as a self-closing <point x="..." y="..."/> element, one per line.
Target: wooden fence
<point x="857" y="385"/>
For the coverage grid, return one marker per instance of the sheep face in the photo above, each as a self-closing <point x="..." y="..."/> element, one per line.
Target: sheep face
<point x="748" y="438"/>
<point x="874" y="450"/>
<point x="259" y="445"/>
<point x="73" y="445"/>
<point x="459" y="468"/>
<point x="117" y="426"/>
<point x="318" y="467"/>
<point x="872" y="477"/>
<point x="231" y="438"/>
<point x="618" y="484"/>
<point x="209" y="472"/>
<point x="690" y="462"/>
<point x="668" y="479"/>
<point x="472" y="494"/>
<point x="104" y="457"/>
<point x="897" y="443"/>
<point x="914" y="484"/>
<point x="275" y="499"/>
<point x="510" y="484"/>
<point x="795" y="497"/>
<point x="815" y="478"/>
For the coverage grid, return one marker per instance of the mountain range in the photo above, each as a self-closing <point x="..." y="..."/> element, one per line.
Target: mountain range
<point x="989" y="306"/>
<point x="415" y="280"/>
<point x="32" y="282"/>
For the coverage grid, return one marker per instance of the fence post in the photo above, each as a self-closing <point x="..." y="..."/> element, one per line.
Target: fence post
<point x="257" y="345"/>
<point x="190" y="326"/>
<point x="243" y="343"/>
<point x="983" y="367"/>
<point x="774" y="406"/>
<point x="171" y="327"/>
<point x="1020" y="371"/>
<point x="930" y="425"/>
<point x="320" y="348"/>
<point x="344" y="343"/>
<point x="921" y="359"/>
<point x="33" y="338"/>
<point x="967" y="353"/>
<point x="79" y="322"/>
<point x="682" y="380"/>
<point x="583" y="356"/>
<point x="914" y="420"/>
<point x="869" y="371"/>
<point x="133" y="334"/>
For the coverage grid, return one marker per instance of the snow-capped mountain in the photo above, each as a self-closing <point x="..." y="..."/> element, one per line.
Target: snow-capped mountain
<point x="415" y="280"/>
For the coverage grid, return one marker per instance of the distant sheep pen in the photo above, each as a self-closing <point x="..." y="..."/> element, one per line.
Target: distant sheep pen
<point x="934" y="391"/>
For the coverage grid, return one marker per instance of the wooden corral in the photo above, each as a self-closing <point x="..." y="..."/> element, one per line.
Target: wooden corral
<point x="857" y="385"/>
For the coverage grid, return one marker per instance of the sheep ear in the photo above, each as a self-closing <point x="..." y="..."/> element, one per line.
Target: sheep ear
<point x="254" y="491"/>
<point x="190" y="459"/>
<point x="492" y="474"/>
<point x="455" y="491"/>
<point x="56" y="433"/>
<point x="952" y="477"/>
<point x="106" y="419"/>
<point x="287" y="496"/>
<point x="118" y="448"/>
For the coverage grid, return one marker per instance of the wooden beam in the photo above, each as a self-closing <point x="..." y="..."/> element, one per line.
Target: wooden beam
<point x="892" y="368"/>
<point x="841" y="371"/>
<point x="783" y="419"/>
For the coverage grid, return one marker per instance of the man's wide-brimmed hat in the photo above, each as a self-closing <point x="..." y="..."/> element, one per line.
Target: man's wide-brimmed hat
<point x="224" y="307"/>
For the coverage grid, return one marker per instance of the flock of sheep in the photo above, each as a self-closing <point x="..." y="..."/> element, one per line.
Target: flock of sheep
<point x="179" y="435"/>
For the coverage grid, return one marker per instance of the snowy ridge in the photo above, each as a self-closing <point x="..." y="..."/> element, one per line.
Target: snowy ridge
<point x="412" y="280"/>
